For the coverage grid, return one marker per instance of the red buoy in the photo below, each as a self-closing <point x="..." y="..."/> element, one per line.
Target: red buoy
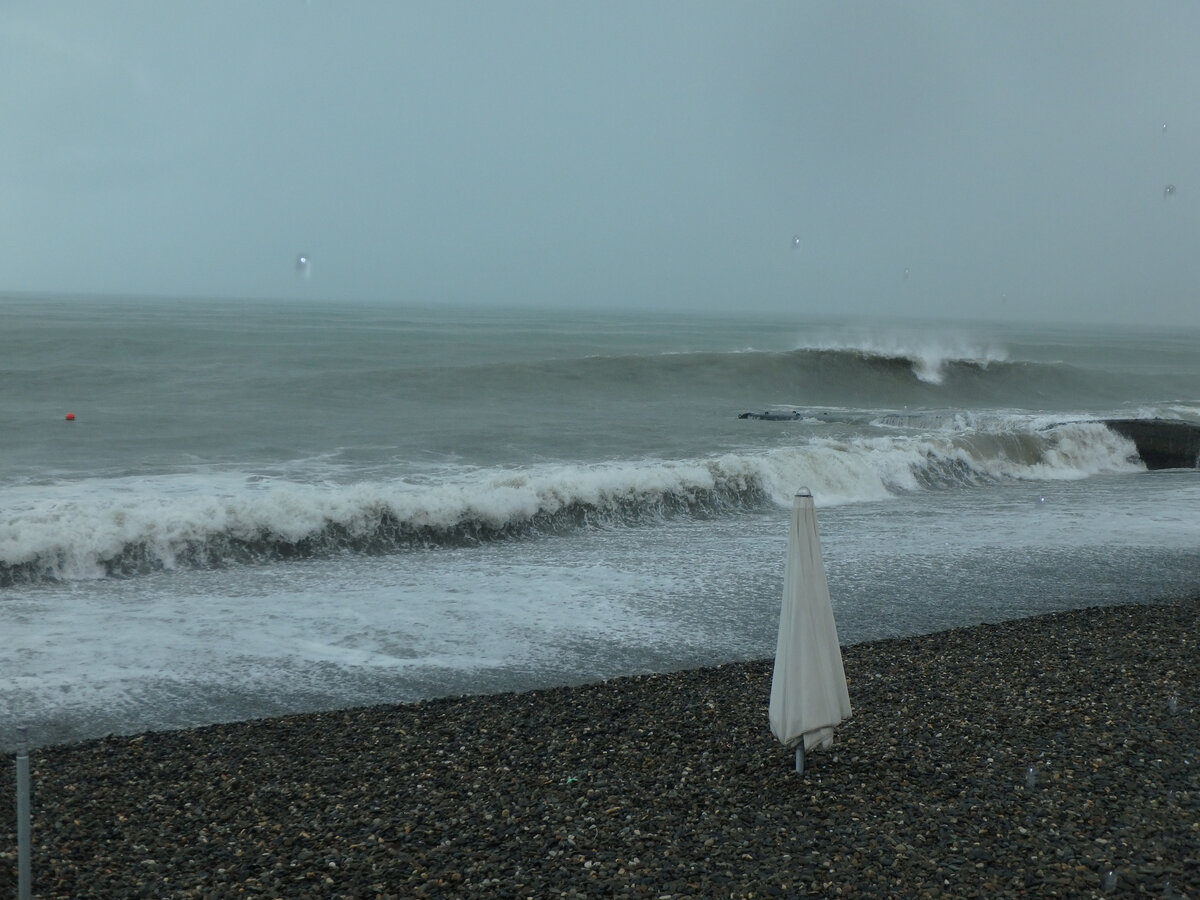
<point x="70" y="417"/>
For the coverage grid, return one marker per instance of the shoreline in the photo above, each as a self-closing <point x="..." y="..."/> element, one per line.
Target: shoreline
<point x="1031" y="756"/>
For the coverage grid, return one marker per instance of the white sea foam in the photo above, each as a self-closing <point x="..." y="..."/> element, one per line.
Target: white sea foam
<point x="93" y="528"/>
<point x="431" y="503"/>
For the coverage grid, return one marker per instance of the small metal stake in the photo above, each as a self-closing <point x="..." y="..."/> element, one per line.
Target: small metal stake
<point x="800" y="758"/>
<point x="23" y="879"/>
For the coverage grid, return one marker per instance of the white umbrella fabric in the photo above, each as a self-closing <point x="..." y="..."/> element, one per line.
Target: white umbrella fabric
<point x="808" y="686"/>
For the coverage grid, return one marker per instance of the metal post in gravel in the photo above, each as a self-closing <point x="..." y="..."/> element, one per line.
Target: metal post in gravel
<point x="23" y="843"/>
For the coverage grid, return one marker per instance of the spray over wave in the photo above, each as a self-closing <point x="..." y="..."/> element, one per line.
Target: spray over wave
<point x="927" y="355"/>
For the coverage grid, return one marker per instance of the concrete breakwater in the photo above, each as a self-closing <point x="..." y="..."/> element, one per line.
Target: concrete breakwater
<point x="1162" y="443"/>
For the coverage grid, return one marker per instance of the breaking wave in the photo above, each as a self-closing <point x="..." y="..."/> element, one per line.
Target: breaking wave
<point x="865" y="375"/>
<point x="127" y="527"/>
<point x="928" y="358"/>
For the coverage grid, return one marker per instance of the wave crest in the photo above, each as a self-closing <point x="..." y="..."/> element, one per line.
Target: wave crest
<point x="140" y="527"/>
<point x="929" y="357"/>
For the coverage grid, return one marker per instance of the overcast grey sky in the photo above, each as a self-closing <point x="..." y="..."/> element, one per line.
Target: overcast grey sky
<point x="1011" y="157"/>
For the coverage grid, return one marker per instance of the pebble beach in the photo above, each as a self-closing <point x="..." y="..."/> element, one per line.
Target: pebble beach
<point x="1055" y="756"/>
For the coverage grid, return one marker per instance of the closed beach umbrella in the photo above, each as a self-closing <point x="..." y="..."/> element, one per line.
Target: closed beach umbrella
<point x="808" y="686"/>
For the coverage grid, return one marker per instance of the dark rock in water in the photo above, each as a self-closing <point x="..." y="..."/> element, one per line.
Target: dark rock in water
<point x="771" y="416"/>
<point x="1162" y="443"/>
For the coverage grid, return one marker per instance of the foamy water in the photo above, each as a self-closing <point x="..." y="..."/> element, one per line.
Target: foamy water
<point x="368" y="505"/>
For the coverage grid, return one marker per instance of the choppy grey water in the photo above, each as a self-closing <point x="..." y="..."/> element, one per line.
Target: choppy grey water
<point x="264" y="507"/>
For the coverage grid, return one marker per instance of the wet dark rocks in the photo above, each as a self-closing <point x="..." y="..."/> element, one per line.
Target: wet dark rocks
<point x="1041" y="757"/>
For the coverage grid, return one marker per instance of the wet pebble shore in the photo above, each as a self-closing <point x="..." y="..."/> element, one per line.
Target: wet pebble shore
<point x="1054" y="756"/>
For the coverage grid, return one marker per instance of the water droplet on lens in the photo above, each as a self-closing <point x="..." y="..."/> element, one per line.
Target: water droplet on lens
<point x="303" y="265"/>
<point x="796" y="242"/>
<point x="906" y="273"/>
<point x="1110" y="880"/>
<point x="1164" y="127"/>
<point x="1031" y="777"/>
<point x="1169" y="190"/>
<point x="1173" y="704"/>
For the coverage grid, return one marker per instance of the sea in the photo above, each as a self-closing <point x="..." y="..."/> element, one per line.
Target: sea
<point x="215" y="510"/>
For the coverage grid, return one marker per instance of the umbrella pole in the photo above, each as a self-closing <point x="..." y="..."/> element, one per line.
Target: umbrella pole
<point x="800" y="759"/>
<point x="24" y="883"/>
